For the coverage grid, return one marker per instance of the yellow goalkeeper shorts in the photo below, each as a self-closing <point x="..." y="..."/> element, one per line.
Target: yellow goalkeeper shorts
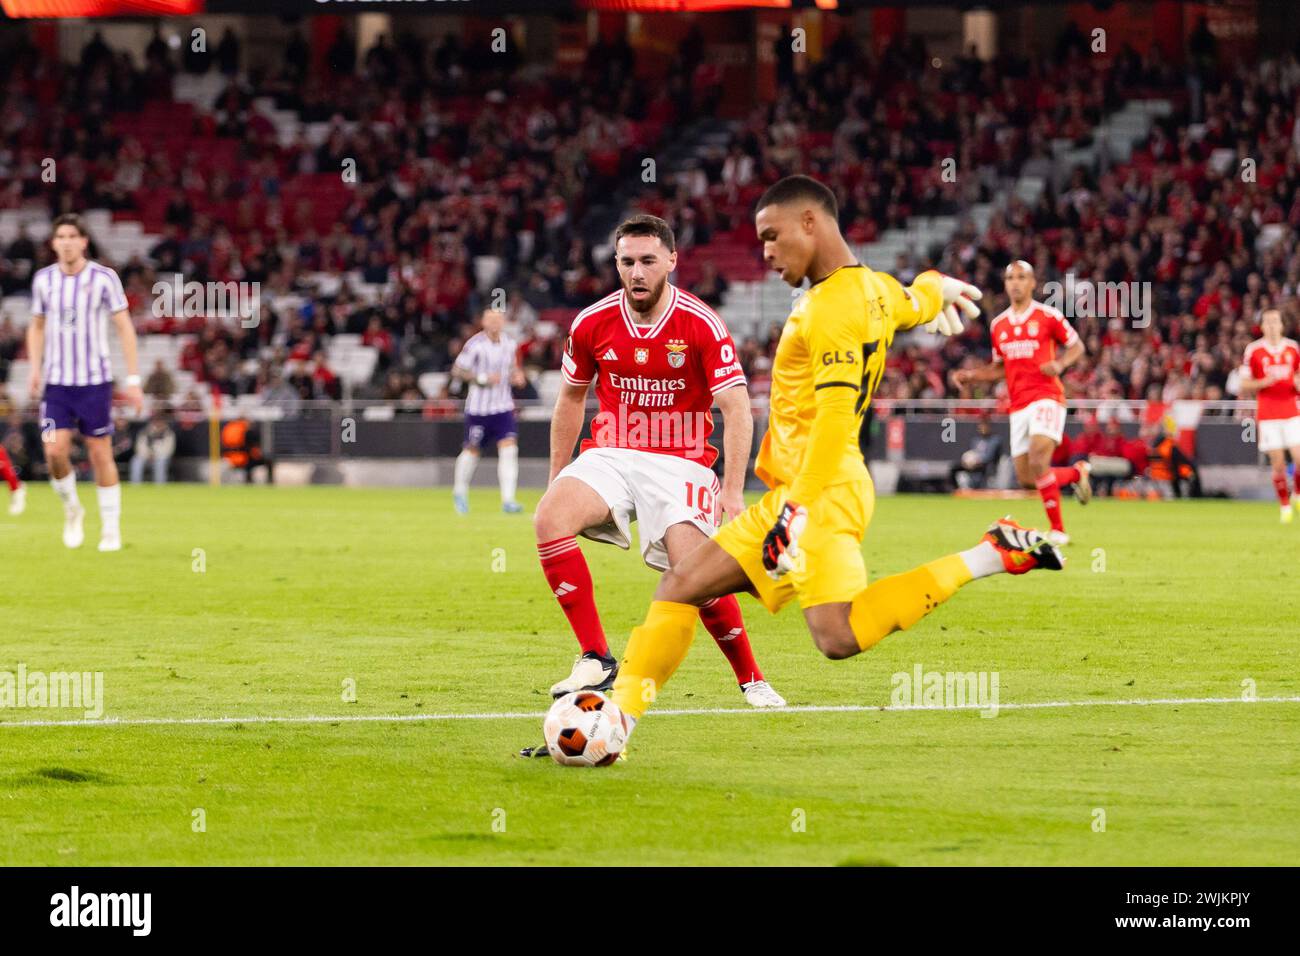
<point x="829" y="568"/>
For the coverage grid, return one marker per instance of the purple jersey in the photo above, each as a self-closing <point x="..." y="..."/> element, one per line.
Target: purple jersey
<point x="482" y="356"/>
<point x="76" y="310"/>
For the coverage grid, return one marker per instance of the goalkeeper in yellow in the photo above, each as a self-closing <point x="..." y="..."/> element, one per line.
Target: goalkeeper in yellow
<point x="803" y="539"/>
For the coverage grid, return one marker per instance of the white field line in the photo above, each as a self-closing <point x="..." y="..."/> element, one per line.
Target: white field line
<point x="694" y="712"/>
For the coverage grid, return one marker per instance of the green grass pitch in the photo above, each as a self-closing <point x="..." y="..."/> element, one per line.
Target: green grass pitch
<point x="271" y="602"/>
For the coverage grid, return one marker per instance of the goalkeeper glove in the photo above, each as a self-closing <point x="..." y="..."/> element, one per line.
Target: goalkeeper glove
<point x="958" y="297"/>
<point x="780" y="547"/>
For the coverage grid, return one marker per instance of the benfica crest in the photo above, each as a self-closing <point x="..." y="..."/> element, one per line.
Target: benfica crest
<point x="1033" y="327"/>
<point x="642" y="356"/>
<point x="676" y="353"/>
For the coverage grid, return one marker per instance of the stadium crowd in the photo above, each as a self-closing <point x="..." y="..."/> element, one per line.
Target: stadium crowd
<point x="1201" y="219"/>
<point x="465" y="157"/>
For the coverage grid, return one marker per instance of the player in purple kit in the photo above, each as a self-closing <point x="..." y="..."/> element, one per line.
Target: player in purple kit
<point x="489" y="364"/>
<point x="67" y="344"/>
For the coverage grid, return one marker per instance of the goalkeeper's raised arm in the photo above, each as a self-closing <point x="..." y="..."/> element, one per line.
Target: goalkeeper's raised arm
<point x="939" y="303"/>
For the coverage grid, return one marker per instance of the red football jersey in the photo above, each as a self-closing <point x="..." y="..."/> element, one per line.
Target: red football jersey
<point x="1279" y="399"/>
<point x="1023" y="343"/>
<point x="655" y="384"/>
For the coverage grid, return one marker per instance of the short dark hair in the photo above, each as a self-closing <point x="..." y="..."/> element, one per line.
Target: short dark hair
<point x="643" y="224"/>
<point x="69" y="219"/>
<point x="800" y="189"/>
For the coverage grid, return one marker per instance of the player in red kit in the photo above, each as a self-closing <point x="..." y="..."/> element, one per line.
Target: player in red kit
<point x="660" y="359"/>
<point x="1025" y="341"/>
<point x="1269" y="369"/>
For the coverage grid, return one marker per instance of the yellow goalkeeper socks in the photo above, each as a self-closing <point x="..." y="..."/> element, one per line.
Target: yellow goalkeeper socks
<point x="897" y="602"/>
<point x="653" y="653"/>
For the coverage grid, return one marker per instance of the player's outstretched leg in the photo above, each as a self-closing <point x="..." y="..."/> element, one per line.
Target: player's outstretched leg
<point x="659" y="645"/>
<point x="897" y="602"/>
<point x="721" y="617"/>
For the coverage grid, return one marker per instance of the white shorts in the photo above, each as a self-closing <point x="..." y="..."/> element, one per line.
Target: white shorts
<point x="656" y="491"/>
<point x="1043" y="417"/>
<point x="1278" y="433"/>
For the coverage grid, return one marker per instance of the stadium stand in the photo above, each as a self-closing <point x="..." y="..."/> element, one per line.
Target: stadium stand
<point x="481" y="175"/>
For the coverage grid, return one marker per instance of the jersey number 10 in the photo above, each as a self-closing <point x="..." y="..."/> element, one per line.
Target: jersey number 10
<point x="703" y="500"/>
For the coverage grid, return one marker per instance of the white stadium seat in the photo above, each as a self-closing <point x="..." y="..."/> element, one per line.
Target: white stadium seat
<point x="432" y="383"/>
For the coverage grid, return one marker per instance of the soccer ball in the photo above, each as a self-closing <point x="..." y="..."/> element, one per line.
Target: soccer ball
<point x="584" y="729"/>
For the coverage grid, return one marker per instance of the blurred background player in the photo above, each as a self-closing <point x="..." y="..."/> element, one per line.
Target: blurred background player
<point x="154" y="447"/>
<point x="1171" y="470"/>
<point x="663" y="359"/>
<point x="1269" y="370"/>
<point x="1025" y="338"/>
<point x="488" y="363"/>
<point x="803" y="539"/>
<point x="242" y="449"/>
<point x="72" y="301"/>
<point x="17" y="490"/>
<point x="980" y="461"/>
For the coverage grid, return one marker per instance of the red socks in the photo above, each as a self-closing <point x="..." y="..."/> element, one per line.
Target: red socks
<point x="1066" y="476"/>
<point x="722" y="618"/>
<point x="1050" y="491"/>
<point x="570" y="581"/>
<point x="1283" y="492"/>
<point x="7" y="470"/>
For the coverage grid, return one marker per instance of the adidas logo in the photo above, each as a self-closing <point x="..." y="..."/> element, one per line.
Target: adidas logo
<point x="732" y="634"/>
<point x="609" y="356"/>
<point x="565" y="588"/>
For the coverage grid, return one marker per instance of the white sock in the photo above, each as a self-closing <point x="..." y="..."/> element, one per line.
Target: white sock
<point x="508" y="471"/>
<point x="983" y="560"/>
<point x="466" y="462"/>
<point x="66" y="489"/>
<point x="110" y="508"/>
